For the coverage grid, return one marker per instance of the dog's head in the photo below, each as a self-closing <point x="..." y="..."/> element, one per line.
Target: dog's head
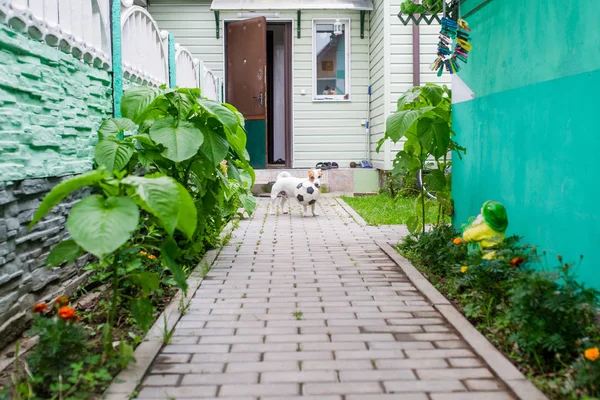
<point x="314" y="176"/>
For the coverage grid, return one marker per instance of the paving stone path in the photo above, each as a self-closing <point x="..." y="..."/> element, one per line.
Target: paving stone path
<point x="311" y="308"/>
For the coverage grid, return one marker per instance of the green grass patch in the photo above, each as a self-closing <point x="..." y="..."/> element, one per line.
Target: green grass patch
<point x="384" y="210"/>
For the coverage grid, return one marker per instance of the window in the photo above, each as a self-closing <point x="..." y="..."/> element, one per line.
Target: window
<point x="331" y="60"/>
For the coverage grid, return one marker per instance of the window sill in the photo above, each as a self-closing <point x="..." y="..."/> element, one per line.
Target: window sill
<point x="333" y="99"/>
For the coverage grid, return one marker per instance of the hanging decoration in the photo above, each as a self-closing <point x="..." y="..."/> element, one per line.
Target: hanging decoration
<point x="463" y="46"/>
<point x="453" y="44"/>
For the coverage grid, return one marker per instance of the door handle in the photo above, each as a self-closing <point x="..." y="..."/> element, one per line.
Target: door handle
<point x="260" y="99"/>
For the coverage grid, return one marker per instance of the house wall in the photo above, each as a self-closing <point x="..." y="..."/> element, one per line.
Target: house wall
<point x="392" y="71"/>
<point x="529" y="129"/>
<point x="50" y="107"/>
<point x="379" y="80"/>
<point x="323" y="131"/>
<point x="401" y="59"/>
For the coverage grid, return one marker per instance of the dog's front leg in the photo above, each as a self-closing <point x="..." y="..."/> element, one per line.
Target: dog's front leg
<point x="312" y="209"/>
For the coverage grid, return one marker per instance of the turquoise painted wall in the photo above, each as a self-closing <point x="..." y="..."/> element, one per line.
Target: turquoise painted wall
<point x="50" y="107"/>
<point x="531" y="134"/>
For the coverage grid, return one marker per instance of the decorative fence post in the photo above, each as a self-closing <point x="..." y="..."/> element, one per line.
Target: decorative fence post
<point x="172" y="63"/>
<point x="117" y="56"/>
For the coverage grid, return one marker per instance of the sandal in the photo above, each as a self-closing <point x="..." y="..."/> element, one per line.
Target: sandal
<point x="323" y="165"/>
<point x="334" y="165"/>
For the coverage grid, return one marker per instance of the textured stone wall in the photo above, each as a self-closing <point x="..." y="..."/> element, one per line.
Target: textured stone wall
<point x="50" y="107"/>
<point x="24" y="278"/>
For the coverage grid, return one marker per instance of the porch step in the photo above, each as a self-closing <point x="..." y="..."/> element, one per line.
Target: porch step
<point x="339" y="180"/>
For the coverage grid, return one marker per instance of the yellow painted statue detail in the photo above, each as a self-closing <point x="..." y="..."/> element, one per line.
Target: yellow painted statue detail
<point x="486" y="231"/>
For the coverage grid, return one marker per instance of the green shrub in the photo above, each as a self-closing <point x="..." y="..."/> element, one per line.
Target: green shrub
<point x="61" y="343"/>
<point x="436" y="250"/>
<point x="551" y="313"/>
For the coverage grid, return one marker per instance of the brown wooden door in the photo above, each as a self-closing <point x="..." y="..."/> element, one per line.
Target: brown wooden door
<point x="246" y="55"/>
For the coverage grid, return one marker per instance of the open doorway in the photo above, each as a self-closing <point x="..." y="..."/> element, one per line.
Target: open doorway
<point x="258" y="79"/>
<point x="278" y="95"/>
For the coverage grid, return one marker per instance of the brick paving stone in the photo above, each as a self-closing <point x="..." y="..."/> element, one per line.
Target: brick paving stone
<point x="312" y="309"/>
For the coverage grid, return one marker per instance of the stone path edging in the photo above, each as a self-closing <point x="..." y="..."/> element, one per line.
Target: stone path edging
<point x="127" y="381"/>
<point x="505" y="370"/>
<point x="359" y="220"/>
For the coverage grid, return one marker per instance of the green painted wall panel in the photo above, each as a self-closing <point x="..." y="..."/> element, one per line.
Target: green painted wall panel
<point x="533" y="149"/>
<point x="518" y="43"/>
<point x="257" y="143"/>
<point x="50" y="107"/>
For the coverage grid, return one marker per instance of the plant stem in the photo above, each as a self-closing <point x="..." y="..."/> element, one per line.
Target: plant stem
<point x="108" y="337"/>
<point x="422" y="187"/>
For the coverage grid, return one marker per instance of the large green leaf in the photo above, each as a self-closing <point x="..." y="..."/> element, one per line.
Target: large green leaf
<point x="159" y="196"/>
<point x="147" y="281"/>
<point x="113" y="154"/>
<point x="180" y="138"/>
<point x="187" y="218"/>
<point x="100" y="226"/>
<point x="114" y="126"/>
<point x="65" y="252"/>
<point x="237" y="140"/>
<point x="170" y="253"/>
<point x="135" y="101"/>
<point x="221" y="113"/>
<point x="433" y="93"/>
<point x="249" y="202"/>
<point x="414" y="225"/>
<point x="215" y="147"/>
<point x="141" y="309"/>
<point x="434" y="135"/>
<point x="400" y="122"/>
<point x="63" y="189"/>
<point x="408" y="97"/>
<point x="183" y="103"/>
<point x="239" y="115"/>
<point x="435" y="180"/>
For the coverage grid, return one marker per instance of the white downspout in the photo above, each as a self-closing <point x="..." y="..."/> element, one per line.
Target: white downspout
<point x="368" y="121"/>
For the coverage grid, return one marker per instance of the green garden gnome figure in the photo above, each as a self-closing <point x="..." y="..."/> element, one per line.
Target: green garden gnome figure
<point x="484" y="233"/>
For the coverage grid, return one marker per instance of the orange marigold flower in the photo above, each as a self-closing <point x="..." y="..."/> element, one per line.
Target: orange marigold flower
<point x="515" y="262"/>
<point x="62" y="301"/>
<point x="464" y="269"/>
<point x="592" y="354"/>
<point x="457" y="241"/>
<point x="66" y="313"/>
<point x="143" y="253"/>
<point x="152" y="257"/>
<point x="38" y="308"/>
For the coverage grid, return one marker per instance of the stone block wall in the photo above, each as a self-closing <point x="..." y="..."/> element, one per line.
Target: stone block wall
<point x="51" y="105"/>
<point x="24" y="278"/>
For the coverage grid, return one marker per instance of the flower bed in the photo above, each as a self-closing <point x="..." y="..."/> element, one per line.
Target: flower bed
<point x="169" y="176"/>
<point x="541" y="318"/>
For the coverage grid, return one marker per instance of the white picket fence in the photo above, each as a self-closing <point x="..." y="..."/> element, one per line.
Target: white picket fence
<point x="83" y="29"/>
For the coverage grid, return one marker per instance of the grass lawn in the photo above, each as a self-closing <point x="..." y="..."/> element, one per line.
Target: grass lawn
<point x="383" y="210"/>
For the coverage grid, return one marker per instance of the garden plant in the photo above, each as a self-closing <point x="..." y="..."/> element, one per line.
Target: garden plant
<point x="169" y="175"/>
<point x="540" y="317"/>
<point x="424" y="121"/>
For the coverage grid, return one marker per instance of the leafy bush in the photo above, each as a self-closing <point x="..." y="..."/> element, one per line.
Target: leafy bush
<point x="544" y="320"/>
<point x="170" y="174"/>
<point x="551" y="313"/>
<point x="61" y="343"/>
<point x="436" y="249"/>
<point x="424" y="120"/>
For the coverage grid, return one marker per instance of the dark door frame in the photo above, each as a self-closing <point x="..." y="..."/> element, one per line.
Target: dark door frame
<point x="289" y="88"/>
<point x="289" y="95"/>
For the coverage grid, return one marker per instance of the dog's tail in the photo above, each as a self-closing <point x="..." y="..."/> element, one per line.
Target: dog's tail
<point x="284" y="174"/>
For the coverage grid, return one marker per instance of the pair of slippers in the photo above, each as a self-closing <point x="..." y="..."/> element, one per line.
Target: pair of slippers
<point x="327" y="165"/>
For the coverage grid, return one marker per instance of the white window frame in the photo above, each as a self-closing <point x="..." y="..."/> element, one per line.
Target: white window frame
<point x="348" y="33"/>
